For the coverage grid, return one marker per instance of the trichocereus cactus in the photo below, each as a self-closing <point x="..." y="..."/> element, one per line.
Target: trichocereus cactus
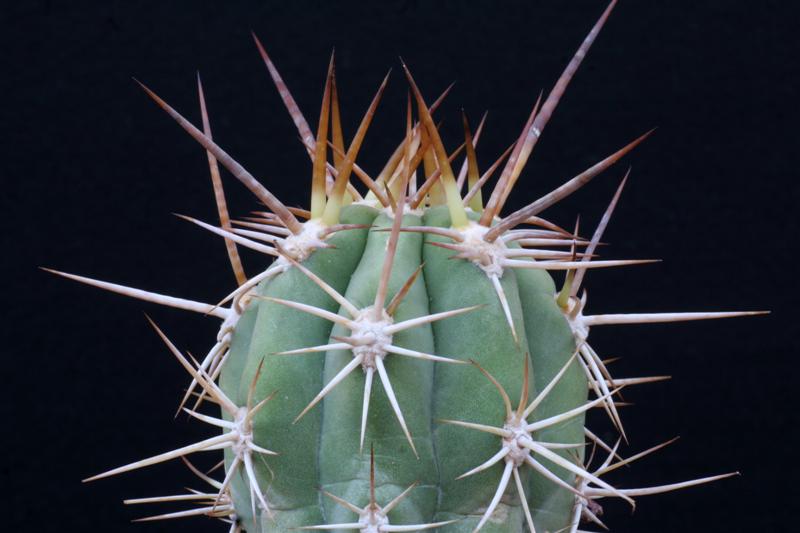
<point x="406" y="362"/>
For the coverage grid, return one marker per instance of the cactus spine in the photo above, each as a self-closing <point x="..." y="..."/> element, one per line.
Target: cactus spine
<point x="407" y="362"/>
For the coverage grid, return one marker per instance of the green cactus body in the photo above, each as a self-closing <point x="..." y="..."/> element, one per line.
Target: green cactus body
<point x="323" y="448"/>
<point x="275" y="328"/>
<point x="406" y="362"/>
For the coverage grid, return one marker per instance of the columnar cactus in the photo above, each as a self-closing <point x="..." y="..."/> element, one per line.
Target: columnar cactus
<point x="407" y="362"/>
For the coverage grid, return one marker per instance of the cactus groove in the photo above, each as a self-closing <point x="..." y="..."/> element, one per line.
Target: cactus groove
<point x="407" y="361"/>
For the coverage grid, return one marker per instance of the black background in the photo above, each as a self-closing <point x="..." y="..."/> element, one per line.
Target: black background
<point x="92" y="171"/>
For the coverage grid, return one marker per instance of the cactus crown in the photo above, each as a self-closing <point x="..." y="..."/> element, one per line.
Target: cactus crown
<point x="403" y="316"/>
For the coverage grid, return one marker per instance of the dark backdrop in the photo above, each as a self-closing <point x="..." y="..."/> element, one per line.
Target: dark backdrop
<point x="92" y="171"/>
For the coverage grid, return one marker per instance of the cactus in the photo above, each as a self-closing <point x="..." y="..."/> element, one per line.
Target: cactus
<point x="406" y="362"/>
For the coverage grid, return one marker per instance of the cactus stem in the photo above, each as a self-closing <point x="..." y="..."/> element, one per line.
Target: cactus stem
<point x="219" y="192"/>
<point x="372" y="333"/>
<point x="372" y="517"/>
<point x="517" y="439"/>
<point x="512" y="171"/>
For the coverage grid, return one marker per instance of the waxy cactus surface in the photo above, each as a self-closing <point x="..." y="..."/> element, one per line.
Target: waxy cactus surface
<point x="407" y="362"/>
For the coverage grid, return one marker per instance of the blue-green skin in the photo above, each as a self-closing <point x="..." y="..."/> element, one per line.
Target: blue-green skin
<point x="322" y="449"/>
<point x="345" y="471"/>
<point x="463" y="393"/>
<point x="551" y="345"/>
<point x="293" y="490"/>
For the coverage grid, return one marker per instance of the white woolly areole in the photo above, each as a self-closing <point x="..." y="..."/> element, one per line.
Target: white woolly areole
<point x="517" y="452"/>
<point x="574" y="316"/>
<point x="369" y="202"/>
<point x="300" y="246"/>
<point x="372" y="519"/>
<point x="244" y="432"/>
<point x="488" y="256"/>
<point x="369" y="337"/>
<point x="226" y="329"/>
<point x="407" y="210"/>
